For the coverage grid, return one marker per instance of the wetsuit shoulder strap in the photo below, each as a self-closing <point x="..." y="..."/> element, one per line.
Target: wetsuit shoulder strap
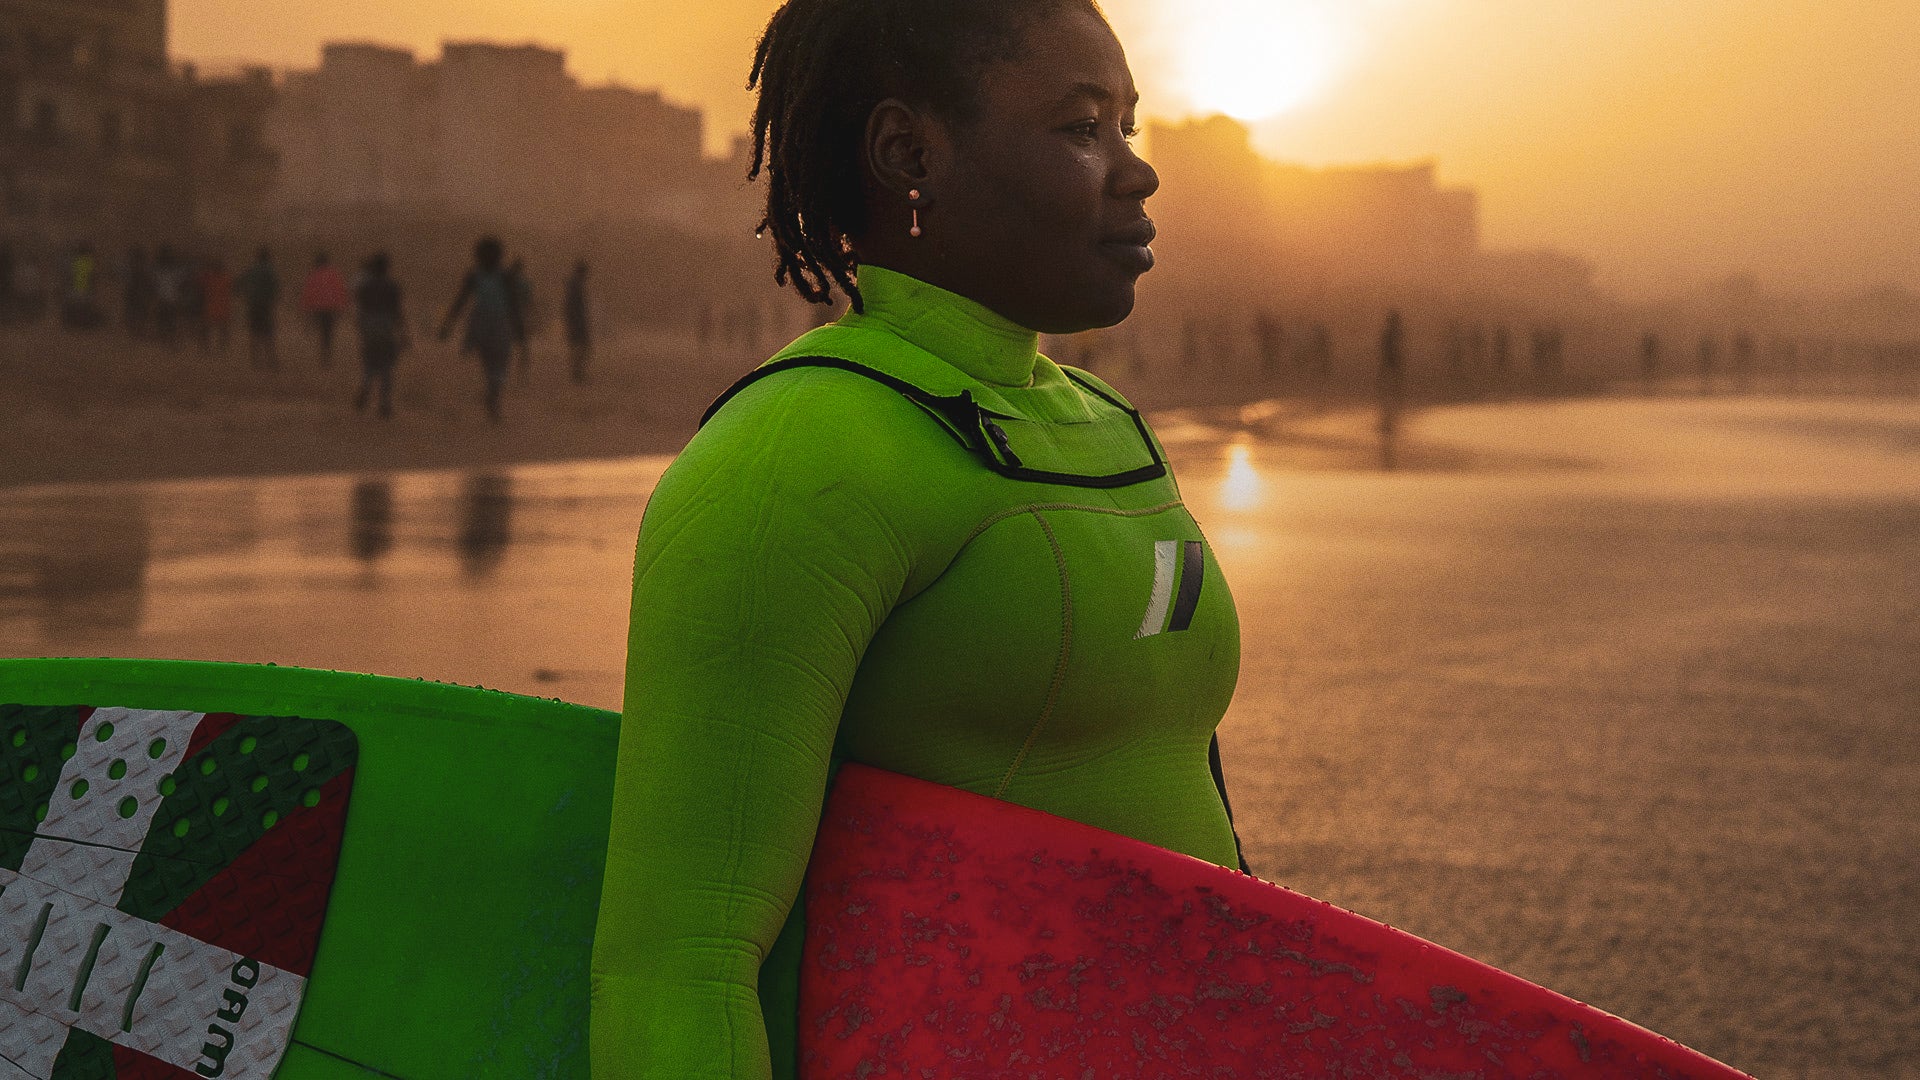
<point x="971" y="425"/>
<point x="956" y="411"/>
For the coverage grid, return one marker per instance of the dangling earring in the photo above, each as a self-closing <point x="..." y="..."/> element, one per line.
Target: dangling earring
<point x="913" y="196"/>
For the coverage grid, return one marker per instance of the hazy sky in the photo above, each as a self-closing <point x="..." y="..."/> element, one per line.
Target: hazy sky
<point x="1672" y="141"/>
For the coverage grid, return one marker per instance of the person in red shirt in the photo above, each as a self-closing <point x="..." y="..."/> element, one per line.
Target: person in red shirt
<point x="323" y="296"/>
<point x="216" y="306"/>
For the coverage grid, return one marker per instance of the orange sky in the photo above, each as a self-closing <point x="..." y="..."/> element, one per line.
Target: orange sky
<point x="1672" y="141"/>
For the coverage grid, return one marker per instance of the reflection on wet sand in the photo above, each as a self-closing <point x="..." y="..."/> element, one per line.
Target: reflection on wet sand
<point x="486" y="522"/>
<point x="1241" y="488"/>
<point x="1389" y="427"/>
<point x="78" y="566"/>
<point x="371" y="511"/>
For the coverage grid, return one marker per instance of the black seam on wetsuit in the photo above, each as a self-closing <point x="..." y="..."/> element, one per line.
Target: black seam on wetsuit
<point x="1193" y="572"/>
<point x="1220" y="781"/>
<point x="970" y="424"/>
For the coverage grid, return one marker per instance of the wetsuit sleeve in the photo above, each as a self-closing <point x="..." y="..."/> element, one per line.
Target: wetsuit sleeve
<point x="769" y="555"/>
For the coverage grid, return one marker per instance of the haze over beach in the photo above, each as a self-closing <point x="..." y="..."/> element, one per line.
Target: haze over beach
<point x="1672" y="143"/>
<point x="1544" y="374"/>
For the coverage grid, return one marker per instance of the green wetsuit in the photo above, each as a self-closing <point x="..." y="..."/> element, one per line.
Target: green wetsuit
<point x="827" y="570"/>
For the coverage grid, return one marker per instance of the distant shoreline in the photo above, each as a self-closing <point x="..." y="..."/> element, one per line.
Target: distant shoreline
<point x="102" y="409"/>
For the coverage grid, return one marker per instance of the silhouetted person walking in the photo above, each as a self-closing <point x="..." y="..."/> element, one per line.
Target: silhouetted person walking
<point x="1392" y="350"/>
<point x="383" y="333"/>
<point x="579" y="330"/>
<point x="216" y="307"/>
<point x="136" y="304"/>
<point x="169" y="294"/>
<point x="259" y="288"/>
<point x="1742" y="360"/>
<point x="1392" y="385"/>
<point x="1320" y="353"/>
<point x="493" y="318"/>
<point x="1545" y="346"/>
<point x="522" y="286"/>
<point x="79" y="303"/>
<point x="1271" y="335"/>
<point x="323" y="296"/>
<point x="1788" y="351"/>
<point x="1649" y="358"/>
<point x="1706" y="363"/>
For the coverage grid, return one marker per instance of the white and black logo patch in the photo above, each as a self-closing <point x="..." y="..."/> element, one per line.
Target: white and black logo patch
<point x="1179" y="568"/>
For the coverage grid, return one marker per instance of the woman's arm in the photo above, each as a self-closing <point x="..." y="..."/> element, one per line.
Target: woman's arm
<point x="769" y="555"/>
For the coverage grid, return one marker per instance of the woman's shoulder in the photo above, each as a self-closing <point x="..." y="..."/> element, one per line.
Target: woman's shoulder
<point x="821" y="451"/>
<point x="1101" y="389"/>
<point x="807" y="419"/>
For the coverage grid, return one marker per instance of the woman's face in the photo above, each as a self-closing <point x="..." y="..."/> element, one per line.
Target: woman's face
<point x="1036" y="208"/>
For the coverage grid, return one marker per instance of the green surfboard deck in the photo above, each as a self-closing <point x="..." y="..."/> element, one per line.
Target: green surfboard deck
<point x="461" y="917"/>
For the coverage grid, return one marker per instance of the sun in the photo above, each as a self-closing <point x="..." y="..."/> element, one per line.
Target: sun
<point x="1253" y="59"/>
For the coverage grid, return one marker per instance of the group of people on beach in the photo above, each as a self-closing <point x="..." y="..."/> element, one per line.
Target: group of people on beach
<point x="493" y="303"/>
<point x="168" y="296"/>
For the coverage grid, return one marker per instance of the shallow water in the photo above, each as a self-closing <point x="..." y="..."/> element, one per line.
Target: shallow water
<point x="1619" y="695"/>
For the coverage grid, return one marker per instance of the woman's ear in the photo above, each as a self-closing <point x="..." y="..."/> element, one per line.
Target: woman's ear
<point x="900" y="148"/>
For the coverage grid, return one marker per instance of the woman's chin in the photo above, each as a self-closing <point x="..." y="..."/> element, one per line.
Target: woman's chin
<point x="1110" y="308"/>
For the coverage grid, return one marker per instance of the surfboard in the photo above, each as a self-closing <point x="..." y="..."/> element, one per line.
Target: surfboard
<point x="240" y="871"/>
<point x="953" y="935"/>
<point x="252" y="871"/>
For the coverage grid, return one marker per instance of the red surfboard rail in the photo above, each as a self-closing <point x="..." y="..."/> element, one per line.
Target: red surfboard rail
<point x="956" y="936"/>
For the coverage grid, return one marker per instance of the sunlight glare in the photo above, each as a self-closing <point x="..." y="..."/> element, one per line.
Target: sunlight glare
<point x="1253" y="59"/>
<point x="1242" y="487"/>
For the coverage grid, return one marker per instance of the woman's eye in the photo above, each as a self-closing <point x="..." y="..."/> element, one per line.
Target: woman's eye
<point x="1089" y="129"/>
<point x="1129" y="132"/>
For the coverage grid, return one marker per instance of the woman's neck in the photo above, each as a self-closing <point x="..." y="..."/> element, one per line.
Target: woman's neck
<point x="960" y="331"/>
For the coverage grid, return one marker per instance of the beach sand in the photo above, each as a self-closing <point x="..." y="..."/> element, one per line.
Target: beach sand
<point x="100" y="407"/>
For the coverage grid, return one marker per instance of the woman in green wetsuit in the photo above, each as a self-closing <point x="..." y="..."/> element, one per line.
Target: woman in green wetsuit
<point x="910" y="540"/>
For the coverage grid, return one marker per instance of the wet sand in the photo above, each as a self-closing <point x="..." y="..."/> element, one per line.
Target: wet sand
<point x="1638" y="725"/>
<point x="100" y="407"/>
<point x="1616" y="694"/>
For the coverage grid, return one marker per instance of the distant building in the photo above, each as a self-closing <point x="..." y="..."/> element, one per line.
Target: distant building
<point x="360" y="131"/>
<point x="101" y="141"/>
<point x="1341" y="225"/>
<point x="495" y="130"/>
<point x="1541" y="273"/>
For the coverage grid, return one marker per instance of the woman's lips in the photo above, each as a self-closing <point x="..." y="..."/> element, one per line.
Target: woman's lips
<point x="1129" y="246"/>
<point x="1135" y="257"/>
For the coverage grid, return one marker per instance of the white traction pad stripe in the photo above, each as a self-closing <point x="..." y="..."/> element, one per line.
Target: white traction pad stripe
<point x="196" y="995"/>
<point x="105" y="844"/>
<point x="191" y="988"/>
<point x="30" y="1042"/>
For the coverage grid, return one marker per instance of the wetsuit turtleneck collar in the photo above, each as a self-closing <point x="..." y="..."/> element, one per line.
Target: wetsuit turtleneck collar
<point x="960" y="331"/>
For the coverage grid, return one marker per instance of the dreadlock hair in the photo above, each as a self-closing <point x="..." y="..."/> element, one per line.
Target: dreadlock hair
<point x="821" y="67"/>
